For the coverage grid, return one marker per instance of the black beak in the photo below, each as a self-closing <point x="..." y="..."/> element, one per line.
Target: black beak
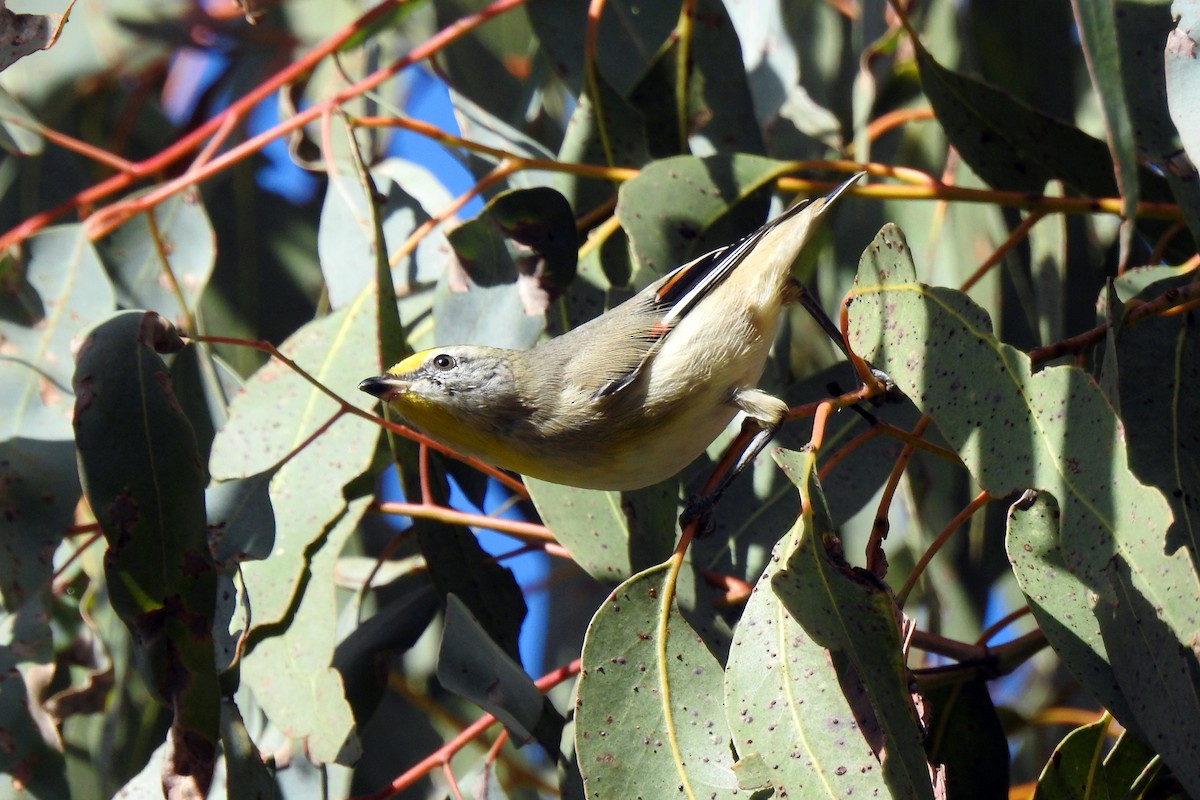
<point x="385" y="387"/>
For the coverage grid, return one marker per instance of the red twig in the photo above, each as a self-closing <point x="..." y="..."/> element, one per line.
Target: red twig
<point x="443" y="754"/>
<point x="960" y="519"/>
<point x="118" y="213"/>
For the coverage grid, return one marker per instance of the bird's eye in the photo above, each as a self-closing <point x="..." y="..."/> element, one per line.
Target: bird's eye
<point x="443" y="361"/>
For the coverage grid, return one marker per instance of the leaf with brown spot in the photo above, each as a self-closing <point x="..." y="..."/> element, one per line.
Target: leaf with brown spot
<point x="22" y="34"/>
<point x="140" y="470"/>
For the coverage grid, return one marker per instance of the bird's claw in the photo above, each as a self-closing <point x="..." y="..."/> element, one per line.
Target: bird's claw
<point x="698" y="510"/>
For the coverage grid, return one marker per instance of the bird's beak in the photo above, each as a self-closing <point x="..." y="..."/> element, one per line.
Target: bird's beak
<point x="385" y="387"/>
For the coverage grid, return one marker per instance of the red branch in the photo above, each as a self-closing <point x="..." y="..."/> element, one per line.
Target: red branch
<point x="443" y="754"/>
<point x="113" y="216"/>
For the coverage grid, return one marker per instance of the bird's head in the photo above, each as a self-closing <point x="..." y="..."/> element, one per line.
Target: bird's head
<point x="450" y="391"/>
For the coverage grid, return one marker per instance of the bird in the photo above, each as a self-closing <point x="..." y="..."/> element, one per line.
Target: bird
<point x="636" y="394"/>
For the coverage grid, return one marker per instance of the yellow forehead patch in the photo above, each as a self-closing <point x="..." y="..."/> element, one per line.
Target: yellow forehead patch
<point x="410" y="364"/>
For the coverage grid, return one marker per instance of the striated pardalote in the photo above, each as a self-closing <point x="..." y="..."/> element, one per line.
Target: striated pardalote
<point x="633" y="396"/>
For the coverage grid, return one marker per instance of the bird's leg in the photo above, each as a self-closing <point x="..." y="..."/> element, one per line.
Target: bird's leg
<point x="796" y="292"/>
<point x="766" y="410"/>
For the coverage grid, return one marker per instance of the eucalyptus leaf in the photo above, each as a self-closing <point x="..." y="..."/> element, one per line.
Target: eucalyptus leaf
<point x="1183" y="75"/>
<point x="849" y="613"/>
<point x="470" y="664"/>
<point x="290" y="670"/>
<point x="648" y="720"/>
<point x="60" y="291"/>
<point x="628" y="36"/>
<point x="406" y="195"/>
<point x="486" y="298"/>
<point x="1056" y="433"/>
<point x="141" y="471"/>
<point x="1097" y="21"/>
<point x="612" y="535"/>
<point x="278" y="412"/>
<point x="163" y="258"/>
<point x="784" y="700"/>
<point x="18" y="127"/>
<point x="1155" y="360"/>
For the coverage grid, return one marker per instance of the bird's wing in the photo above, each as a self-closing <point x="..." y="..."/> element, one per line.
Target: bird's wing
<point x="682" y="289"/>
<point x="686" y="286"/>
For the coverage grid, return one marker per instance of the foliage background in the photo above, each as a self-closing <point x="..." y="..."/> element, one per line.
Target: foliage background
<point x="1035" y="160"/>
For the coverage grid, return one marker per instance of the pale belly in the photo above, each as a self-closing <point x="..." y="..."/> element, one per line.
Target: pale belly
<point x="653" y="457"/>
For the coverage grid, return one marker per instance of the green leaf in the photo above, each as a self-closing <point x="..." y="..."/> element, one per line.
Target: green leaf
<point x="656" y="99"/>
<point x="46" y="303"/>
<point x="1128" y="759"/>
<point x="1075" y="771"/>
<point x="277" y="412"/>
<point x="390" y="339"/>
<point x="1061" y="603"/>
<point x="1158" y="672"/>
<point x="39" y="488"/>
<point x="1052" y="431"/>
<point x="798" y="126"/>
<point x="164" y="266"/>
<point x="498" y="293"/>
<point x="459" y="566"/>
<point x="803" y="129"/>
<point x="480" y="125"/>
<point x="1010" y="426"/>
<point x="1157" y="359"/>
<point x="721" y="113"/>
<point x="386" y="24"/>
<point x="248" y="777"/>
<point x="599" y="131"/>
<point x="1048" y="266"/>
<point x="1098" y="30"/>
<point x="1183" y="75"/>
<point x="967" y="738"/>
<point x="23" y="34"/>
<point x="486" y="298"/>
<point x="629" y="36"/>
<point x="602" y="281"/>
<point x="491" y="64"/>
<point x="1143" y="28"/>
<point x="241" y="521"/>
<point x="24" y="644"/>
<point x="852" y="615"/>
<point x="389" y="632"/>
<point x="1133" y="282"/>
<point x="347" y="242"/>
<point x="648" y="719"/>
<point x="1080" y="768"/>
<point x="857" y="478"/>
<point x="144" y="481"/>
<point x="18" y="127"/>
<point x="752" y="773"/>
<point x="473" y="666"/>
<point x="612" y="535"/>
<point x="204" y="385"/>
<point x="1028" y="48"/>
<point x="290" y="668"/>
<point x="784" y="700"/>
<point x="541" y="219"/>
<point x="1010" y="144"/>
